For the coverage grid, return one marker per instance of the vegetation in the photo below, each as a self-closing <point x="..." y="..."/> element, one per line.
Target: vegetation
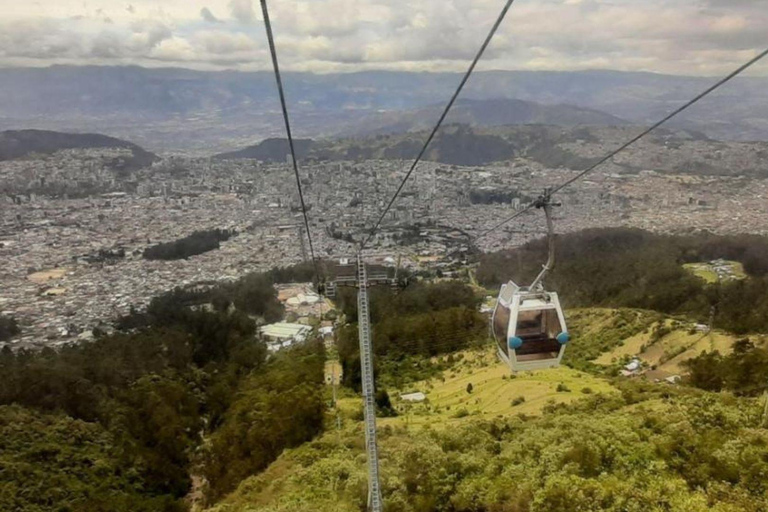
<point x="493" y="389"/>
<point x="742" y="372"/>
<point x="50" y="461"/>
<point x="637" y="269"/>
<point x="146" y="399"/>
<point x="493" y="196"/>
<point x="643" y="448"/>
<point x="275" y="409"/>
<point x="8" y="328"/>
<point x="601" y="331"/>
<point x="192" y="245"/>
<point x="422" y="321"/>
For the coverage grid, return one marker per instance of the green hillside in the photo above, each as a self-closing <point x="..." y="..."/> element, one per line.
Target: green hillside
<point x="630" y="447"/>
<point x="556" y="440"/>
<point x="185" y="408"/>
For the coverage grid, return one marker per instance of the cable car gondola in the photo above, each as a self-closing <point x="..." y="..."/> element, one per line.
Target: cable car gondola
<point x="528" y="322"/>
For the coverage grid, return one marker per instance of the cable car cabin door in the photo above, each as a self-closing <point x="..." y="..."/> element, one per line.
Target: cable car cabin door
<point x="536" y="321"/>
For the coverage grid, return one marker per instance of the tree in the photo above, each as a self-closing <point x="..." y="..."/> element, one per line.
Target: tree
<point x="278" y="408"/>
<point x="470" y="388"/>
<point x="384" y="404"/>
<point x="8" y="328"/>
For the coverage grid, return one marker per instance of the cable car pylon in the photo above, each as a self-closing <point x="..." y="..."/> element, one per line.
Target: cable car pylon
<point x="357" y="275"/>
<point x="369" y="394"/>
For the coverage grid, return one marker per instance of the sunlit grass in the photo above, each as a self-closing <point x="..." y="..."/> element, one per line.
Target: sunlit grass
<point x="494" y="389"/>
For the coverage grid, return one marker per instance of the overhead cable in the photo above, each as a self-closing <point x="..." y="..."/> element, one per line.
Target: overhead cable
<point x="294" y="160"/>
<point x="632" y="141"/>
<point x="439" y="121"/>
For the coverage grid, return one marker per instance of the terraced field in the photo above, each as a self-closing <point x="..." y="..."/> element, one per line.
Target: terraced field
<point x="495" y="392"/>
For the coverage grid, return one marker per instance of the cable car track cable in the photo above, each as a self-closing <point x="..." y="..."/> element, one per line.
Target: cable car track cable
<point x="447" y="109"/>
<point x="281" y="92"/>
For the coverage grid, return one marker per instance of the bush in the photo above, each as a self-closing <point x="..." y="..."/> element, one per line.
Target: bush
<point x="461" y="413"/>
<point x="517" y="401"/>
<point x="562" y="388"/>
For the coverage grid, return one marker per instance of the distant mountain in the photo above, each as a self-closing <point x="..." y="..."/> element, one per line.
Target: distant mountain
<point x="209" y="112"/>
<point x="457" y="144"/>
<point x="20" y="143"/>
<point x="493" y="112"/>
<point x="574" y="147"/>
<point x="271" y="150"/>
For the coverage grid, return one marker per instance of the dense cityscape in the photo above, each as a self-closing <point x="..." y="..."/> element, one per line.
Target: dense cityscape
<point x="74" y="230"/>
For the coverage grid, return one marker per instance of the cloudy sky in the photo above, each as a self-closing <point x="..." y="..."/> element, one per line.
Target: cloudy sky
<point x="702" y="37"/>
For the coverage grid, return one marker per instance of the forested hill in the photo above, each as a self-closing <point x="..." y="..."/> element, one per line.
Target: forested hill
<point x="621" y="267"/>
<point x="20" y="143"/>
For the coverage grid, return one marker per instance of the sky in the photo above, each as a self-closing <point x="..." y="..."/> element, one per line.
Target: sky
<point x="688" y="37"/>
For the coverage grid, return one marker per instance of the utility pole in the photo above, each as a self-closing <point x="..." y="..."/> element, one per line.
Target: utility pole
<point x="369" y="402"/>
<point x="765" y="411"/>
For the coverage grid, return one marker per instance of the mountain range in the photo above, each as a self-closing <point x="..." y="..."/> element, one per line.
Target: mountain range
<point x="199" y="112"/>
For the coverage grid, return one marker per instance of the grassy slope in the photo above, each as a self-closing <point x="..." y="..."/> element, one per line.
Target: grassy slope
<point x="703" y="271"/>
<point x="491" y="398"/>
<point x="493" y="391"/>
<point x="671" y="350"/>
<point x="625" y="452"/>
<point x="329" y="474"/>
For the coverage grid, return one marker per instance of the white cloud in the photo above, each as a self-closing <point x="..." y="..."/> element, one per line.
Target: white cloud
<point x="208" y="16"/>
<point x="680" y="36"/>
<point x="242" y="10"/>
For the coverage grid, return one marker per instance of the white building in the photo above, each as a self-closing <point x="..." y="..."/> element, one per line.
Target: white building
<point x="283" y="335"/>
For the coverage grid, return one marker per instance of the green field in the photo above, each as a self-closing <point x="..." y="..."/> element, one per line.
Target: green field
<point x="706" y="271"/>
<point x="494" y="389"/>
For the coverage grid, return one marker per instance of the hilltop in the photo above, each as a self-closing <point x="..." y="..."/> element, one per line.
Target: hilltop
<point x="21" y="143"/>
<point x="270" y="150"/>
